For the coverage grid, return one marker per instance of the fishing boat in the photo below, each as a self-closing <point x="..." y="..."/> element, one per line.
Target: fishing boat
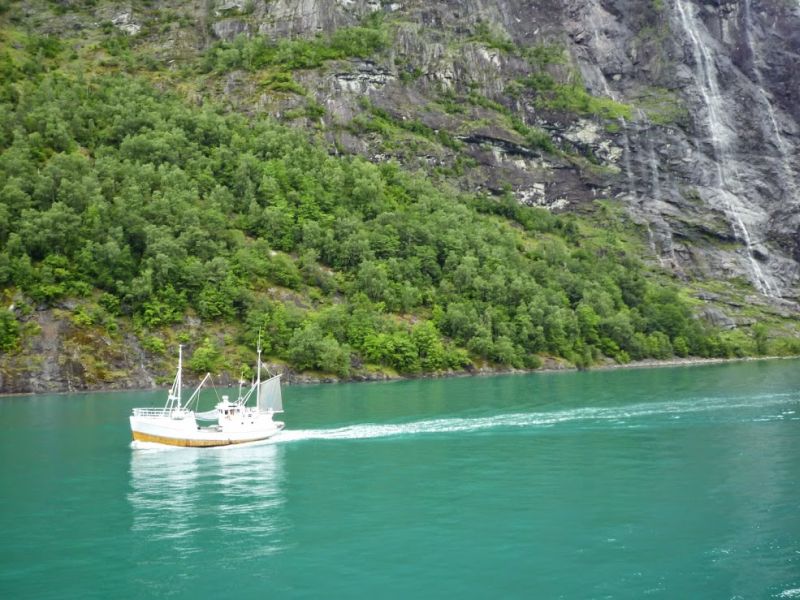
<point x="178" y="424"/>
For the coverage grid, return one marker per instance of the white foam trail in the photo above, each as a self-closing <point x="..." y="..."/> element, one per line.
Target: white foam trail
<point x="530" y="420"/>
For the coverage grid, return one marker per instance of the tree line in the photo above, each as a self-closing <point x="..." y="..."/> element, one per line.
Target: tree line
<point x="113" y="190"/>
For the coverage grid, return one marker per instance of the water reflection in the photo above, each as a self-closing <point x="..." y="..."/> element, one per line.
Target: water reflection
<point x="229" y="501"/>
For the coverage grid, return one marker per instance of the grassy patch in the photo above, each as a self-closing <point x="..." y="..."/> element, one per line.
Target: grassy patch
<point x="383" y="122"/>
<point x="492" y="38"/>
<point x="534" y="137"/>
<point x="544" y="55"/>
<point x="252" y="54"/>
<point x="573" y="98"/>
<point x="663" y="107"/>
<point x="282" y="81"/>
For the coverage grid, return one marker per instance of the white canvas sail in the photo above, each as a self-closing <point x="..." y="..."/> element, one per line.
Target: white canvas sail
<point x="269" y="398"/>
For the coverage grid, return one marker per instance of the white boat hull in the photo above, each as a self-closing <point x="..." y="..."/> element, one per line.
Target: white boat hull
<point x="185" y="431"/>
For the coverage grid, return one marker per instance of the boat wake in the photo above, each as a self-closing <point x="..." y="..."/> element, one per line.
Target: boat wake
<point x="620" y="416"/>
<point x="629" y="416"/>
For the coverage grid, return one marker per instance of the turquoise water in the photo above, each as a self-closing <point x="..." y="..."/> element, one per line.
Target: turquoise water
<point x="665" y="483"/>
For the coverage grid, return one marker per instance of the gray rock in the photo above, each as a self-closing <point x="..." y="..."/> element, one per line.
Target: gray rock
<point x="124" y="22"/>
<point x="229" y="6"/>
<point x="718" y="318"/>
<point x="228" y="29"/>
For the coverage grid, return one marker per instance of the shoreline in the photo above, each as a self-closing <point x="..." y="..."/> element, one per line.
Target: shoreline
<point x="300" y="379"/>
<point x="641" y="364"/>
<point x="687" y="362"/>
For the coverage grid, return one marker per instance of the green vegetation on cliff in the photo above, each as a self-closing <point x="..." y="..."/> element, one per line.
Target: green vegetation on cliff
<point x="291" y="54"/>
<point x="133" y="209"/>
<point x="155" y="209"/>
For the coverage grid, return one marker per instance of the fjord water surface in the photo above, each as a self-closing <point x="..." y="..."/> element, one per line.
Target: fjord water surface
<point x="669" y="482"/>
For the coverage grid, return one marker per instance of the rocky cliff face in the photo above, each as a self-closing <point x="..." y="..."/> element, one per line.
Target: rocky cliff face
<point x="691" y="122"/>
<point x="707" y="160"/>
<point x="730" y="171"/>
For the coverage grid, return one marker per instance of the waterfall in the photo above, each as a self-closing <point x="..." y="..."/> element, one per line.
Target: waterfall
<point x="652" y="159"/>
<point x="626" y="152"/>
<point x="783" y="149"/>
<point x="631" y="177"/>
<point x="598" y="51"/>
<point x="652" y="162"/>
<point x="705" y="75"/>
<point x="655" y="186"/>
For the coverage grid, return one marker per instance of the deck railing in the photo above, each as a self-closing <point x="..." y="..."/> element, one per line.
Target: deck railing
<point x="159" y="412"/>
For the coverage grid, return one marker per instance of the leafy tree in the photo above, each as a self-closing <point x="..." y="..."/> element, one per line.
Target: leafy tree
<point x="310" y="348"/>
<point x="205" y="358"/>
<point x="165" y="307"/>
<point x="9" y="331"/>
<point x="397" y="350"/>
<point x="760" y="335"/>
<point x="658" y="345"/>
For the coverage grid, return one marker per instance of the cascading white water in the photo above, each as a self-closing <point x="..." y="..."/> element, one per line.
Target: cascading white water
<point x="655" y="186"/>
<point x="652" y="161"/>
<point x="783" y="149"/>
<point x="705" y="74"/>
<point x="626" y="147"/>
<point x="631" y="177"/>
<point x="626" y="158"/>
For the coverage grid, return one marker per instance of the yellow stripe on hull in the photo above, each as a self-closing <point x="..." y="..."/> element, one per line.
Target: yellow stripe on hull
<point x="157" y="439"/>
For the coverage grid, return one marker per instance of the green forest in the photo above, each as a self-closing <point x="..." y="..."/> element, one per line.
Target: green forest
<point x="147" y="210"/>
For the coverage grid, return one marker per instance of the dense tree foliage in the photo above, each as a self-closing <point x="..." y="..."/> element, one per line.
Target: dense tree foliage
<point x="110" y="188"/>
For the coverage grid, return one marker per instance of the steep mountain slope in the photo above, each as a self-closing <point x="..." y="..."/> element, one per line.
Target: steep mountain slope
<point x="702" y="143"/>
<point x="670" y="122"/>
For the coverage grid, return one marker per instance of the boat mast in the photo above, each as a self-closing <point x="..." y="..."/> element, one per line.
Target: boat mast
<point x="180" y="373"/>
<point x="174" y="397"/>
<point x="258" y="372"/>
